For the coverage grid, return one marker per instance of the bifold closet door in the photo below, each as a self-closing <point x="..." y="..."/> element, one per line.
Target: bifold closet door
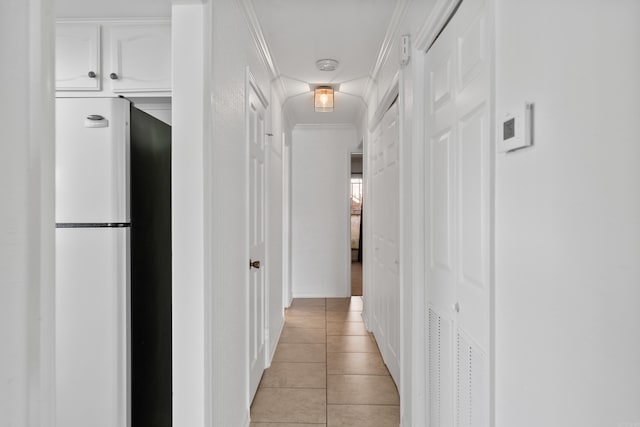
<point x="385" y="190"/>
<point x="458" y="222"/>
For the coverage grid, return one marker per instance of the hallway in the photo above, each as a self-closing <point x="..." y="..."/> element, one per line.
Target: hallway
<point x="326" y="371"/>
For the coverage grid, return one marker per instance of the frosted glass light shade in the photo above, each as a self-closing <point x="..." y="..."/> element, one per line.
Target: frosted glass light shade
<point x="323" y="100"/>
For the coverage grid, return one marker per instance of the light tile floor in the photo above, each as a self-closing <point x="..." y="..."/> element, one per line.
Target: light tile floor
<point x="327" y="371"/>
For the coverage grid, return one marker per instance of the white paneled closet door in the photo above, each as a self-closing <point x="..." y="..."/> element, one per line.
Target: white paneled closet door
<point x="458" y="205"/>
<point x="385" y="190"/>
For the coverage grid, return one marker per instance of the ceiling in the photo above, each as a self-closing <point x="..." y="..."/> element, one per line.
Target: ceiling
<point x="299" y="32"/>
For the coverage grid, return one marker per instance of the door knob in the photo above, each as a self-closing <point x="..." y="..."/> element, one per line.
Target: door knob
<point x="92" y="74"/>
<point x="113" y="76"/>
<point x="254" y="264"/>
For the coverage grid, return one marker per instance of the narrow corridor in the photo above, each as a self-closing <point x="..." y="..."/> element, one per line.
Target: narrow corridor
<point x="327" y="371"/>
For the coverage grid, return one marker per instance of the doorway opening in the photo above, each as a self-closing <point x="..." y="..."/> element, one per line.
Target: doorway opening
<point x="356" y="212"/>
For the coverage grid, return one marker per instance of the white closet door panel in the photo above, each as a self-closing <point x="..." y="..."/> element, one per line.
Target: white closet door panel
<point x="458" y="205"/>
<point x="441" y="210"/>
<point x="385" y="291"/>
<point x="472" y="240"/>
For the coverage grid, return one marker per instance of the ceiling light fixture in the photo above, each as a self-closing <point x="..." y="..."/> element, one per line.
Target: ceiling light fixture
<point x="327" y="64"/>
<point x="323" y="99"/>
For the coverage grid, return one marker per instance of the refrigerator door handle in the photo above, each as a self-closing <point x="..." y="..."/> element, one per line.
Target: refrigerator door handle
<point x="96" y="121"/>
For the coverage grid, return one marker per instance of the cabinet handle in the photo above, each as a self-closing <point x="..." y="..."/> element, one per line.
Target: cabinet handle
<point x="113" y="76"/>
<point x="91" y="74"/>
<point x="254" y="264"/>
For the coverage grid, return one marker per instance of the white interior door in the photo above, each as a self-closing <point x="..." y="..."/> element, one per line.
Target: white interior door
<point x="256" y="116"/>
<point x="459" y="190"/>
<point x="385" y="190"/>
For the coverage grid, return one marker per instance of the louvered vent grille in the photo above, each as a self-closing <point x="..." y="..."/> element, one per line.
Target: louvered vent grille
<point x="471" y="385"/>
<point x="434" y="341"/>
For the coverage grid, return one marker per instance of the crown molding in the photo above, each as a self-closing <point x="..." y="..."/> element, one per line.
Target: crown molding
<point x="387" y="43"/>
<point x="110" y="20"/>
<point x="188" y="2"/>
<point x="320" y="126"/>
<point x="263" y="48"/>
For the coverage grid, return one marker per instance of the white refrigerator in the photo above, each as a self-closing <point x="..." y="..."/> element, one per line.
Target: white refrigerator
<point x="92" y="262"/>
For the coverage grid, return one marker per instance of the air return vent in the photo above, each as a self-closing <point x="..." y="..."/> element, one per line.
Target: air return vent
<point x="434" y="342"/>
<point x="471" y="384"/>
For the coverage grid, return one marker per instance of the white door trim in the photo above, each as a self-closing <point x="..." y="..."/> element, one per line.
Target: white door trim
<point x="385" y="102"/>
<point x="438" y="18"/>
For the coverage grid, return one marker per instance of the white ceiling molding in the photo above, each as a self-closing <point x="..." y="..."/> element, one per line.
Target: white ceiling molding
<point x="188" y="2"/>
<point x="436" y="21"/>
<point x="317" y="126"/>
<point x="387" y="43"/>
<point x="263" y="48"/>
<point x="128" y="20"/>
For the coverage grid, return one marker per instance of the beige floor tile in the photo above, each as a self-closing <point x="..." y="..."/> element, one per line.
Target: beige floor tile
<point x="363" y="416"/>
<point x="304" y="311"/>
<point x="344" y="304"/>
<point x="300" y="353"/>
<point x="311" y="322"/>
<point x="295" y="375"/>
<point x="346" y="328"/>
<point x="361" y="390"/>
<point x="344" y="316"/>
<point x="285" y="425"/>
<point x="289" y="405"/>
<point x="351" y="344"/>
<point x="356" y="364"/>
<point x="303" y="336"/>
<point x="308" y="302"/>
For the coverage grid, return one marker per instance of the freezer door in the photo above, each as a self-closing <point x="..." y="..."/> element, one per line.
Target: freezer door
<point x="92" y="324"/>
<point x="92" y="160"/>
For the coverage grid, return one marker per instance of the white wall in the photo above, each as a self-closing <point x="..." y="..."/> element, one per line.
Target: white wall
<point x="189" y="310"/>
<point x="321" y="263"/>
<point x="227" y="240"/>
<point x="568" y="216"/>
<point x="287" y="238"/>
<point x="27" y="213"/>
<point x="210" y="181"/>
<point x="275" y="218"/>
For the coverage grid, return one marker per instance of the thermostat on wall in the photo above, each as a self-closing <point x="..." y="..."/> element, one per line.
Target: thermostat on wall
<point x="515" y="130"/>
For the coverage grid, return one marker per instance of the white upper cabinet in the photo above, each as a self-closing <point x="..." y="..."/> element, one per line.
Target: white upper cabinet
<point x="78" y="57"/>
<point x="140" y="58"/>
<point x="107" y="58"/>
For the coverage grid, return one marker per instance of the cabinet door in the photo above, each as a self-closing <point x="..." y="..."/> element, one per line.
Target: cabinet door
<point x="140" y="58"/>
<point x="77" y="56"/>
